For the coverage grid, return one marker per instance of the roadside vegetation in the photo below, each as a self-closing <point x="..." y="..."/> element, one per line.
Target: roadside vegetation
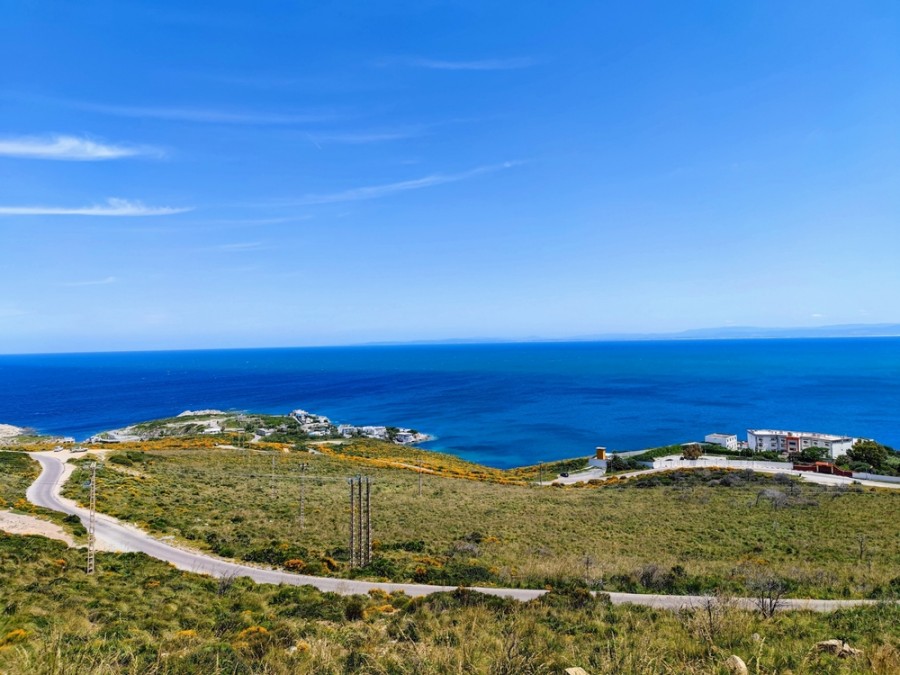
<point x="17" y="472"/>
<point x="872" y="457"/>
<point x="676" y="532"/>
<point x="138" y="615"/>
<point x="706" y="448"/>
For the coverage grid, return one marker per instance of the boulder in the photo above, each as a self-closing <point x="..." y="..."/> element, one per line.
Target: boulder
<point x="837" y="647"/>
<point x="735" y="665"/>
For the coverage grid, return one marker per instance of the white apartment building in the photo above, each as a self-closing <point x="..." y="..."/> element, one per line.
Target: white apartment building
<point x="761" y="440"/>
<point x="727" y="441"/>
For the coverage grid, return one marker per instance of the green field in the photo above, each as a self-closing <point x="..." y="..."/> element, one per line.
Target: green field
<point x="685" y="533"/>
<point x="141" y="616"/>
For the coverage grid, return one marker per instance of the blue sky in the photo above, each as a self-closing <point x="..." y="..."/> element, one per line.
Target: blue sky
<point x="282" y="173"/>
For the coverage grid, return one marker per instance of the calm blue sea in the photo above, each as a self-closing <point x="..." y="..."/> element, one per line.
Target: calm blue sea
<point x="501" y="404"/>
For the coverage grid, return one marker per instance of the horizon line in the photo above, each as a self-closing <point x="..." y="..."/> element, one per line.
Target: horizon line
<point x="486" y="341"/>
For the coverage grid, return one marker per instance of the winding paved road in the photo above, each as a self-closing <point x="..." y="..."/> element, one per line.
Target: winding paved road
<point x="116" y="535"/>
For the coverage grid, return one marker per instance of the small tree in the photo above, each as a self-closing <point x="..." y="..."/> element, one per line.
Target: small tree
<point x="814" y="454"/>
<point x="691" y="451"/>
<point x="775" y="497"/>
<point x="862" y="546"/>
<point x="872" y="453"/>
<point x="618" y="464"/>
<point x="768" y="591"/>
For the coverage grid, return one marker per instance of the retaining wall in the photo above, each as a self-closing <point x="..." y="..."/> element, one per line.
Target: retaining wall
<point x="719" y="463"/>
<point x="874" y="476"/>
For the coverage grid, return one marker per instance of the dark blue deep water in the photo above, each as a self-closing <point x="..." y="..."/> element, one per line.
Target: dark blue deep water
<point x="501" y="404"/>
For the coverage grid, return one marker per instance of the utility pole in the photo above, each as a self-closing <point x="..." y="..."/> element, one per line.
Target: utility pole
<point x="303" y="467"/>
<point x="541" y="469"/>
<point x="92" y="521"/>
<point x="273" y="477"/>
<point x="360" y="521"/>
<point x="588" y="563"/>
<point x="369" y="520"/>
<point x="420" y="477"/>
<point x="352" y="523"/>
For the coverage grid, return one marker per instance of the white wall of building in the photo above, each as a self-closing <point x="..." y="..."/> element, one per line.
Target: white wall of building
<point x="711" y="461"/>
<point x="769" y="440"/>
<point x="600" y="464"/>
<point x="727" y="441"/>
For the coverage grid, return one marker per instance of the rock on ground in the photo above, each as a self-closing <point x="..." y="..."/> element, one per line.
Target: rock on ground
<point x="735" y="665"/>
<point x="837" y="647"/>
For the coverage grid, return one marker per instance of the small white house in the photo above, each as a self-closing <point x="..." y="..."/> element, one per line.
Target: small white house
<point x="727" y="441"/>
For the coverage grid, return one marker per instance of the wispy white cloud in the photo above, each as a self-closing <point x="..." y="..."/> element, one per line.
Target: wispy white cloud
<point x="112" y="207"/>
<point x="240" y="246"/>
<point x="10" y="312"/>
<point x="376" y="191"/>
<point x="390" y="134"/>
<point x="92" y="282"/>
<point x="243" y="269"/>
<point x="185" y="113"/>
<point x="259" y="221"/>
<point x="252" y="222"/>
<point x="69" y="148"/>
<point x="483" y="64"/>
<point x="203" y="115"/>
<point x="364" y="137"/>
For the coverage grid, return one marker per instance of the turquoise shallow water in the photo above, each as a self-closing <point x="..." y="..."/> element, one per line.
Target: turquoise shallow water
<point x="502" y="404"/>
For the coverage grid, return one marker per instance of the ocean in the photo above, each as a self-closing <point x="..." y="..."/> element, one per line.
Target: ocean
<point x="500" y="404"/>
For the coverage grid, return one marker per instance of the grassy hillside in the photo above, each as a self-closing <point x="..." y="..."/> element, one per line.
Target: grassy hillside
<point x="138" y="615"/>
<point x="17" y="472"/>
<point x="680" y="533"/>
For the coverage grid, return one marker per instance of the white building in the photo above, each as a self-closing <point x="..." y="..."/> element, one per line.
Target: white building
<point x="727" y="441"/>
<point x="762" y="440"/>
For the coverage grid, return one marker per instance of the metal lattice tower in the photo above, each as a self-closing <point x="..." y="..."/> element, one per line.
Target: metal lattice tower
<point x="352" y="523"/>
<point x="92" y="521"/>
<point x="368" y="521"/>
<point x="303" y="467"/>
<point x="273" y="477"/>
<point x="360" y="559"/>
<point x="360" y="521"/>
